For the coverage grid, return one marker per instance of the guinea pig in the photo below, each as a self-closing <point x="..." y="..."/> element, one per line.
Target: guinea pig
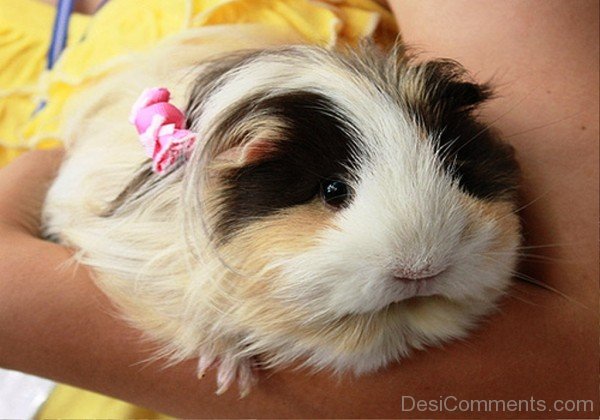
<point x="339" y="209"/>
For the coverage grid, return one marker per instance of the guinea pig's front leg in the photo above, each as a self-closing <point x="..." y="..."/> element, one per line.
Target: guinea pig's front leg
<point x="229" y="368"/>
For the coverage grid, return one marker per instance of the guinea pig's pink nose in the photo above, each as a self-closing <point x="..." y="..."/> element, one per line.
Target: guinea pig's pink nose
<point x="414" y="274"/>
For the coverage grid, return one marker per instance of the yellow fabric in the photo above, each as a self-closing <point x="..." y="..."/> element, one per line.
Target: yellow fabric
<point x="98" y="45"/>
<point x="25" y="27"/>
<point x="125" y="26"/>
<point x="74" y="403"/>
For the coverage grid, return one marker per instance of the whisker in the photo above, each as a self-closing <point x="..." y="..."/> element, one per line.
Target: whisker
<point x="533" y="257"/>
<point x="508" y="292"/>
<point x="541" y="126"/>
<point x="491" y="124"/>
<point x="528" y="279"/>
<point x="535" y="200"/>
<point x="554" y="245"/>
<point x="531" y="280"/>
<point x="512" y="292"/>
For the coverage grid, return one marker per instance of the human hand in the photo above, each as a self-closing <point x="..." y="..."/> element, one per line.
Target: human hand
<point x="23" y="187"/>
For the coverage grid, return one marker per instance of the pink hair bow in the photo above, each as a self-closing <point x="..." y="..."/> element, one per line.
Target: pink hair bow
<point x="161" y="127"/>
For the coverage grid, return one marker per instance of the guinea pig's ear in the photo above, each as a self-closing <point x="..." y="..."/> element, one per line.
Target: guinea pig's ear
<point x="446" y="89"/>
<point x="241" y="135"/>
<point x="254" y="151"/>
<point x="248" y="142"/>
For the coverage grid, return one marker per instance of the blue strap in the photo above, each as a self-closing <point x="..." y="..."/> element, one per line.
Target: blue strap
<point x="64" y="8"/>
<point x="60" y="31"/>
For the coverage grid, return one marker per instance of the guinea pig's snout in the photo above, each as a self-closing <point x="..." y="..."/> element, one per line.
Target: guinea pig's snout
<point x="425" y="272"/>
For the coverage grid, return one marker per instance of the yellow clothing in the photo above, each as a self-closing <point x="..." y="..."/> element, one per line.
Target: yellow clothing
<point x="74" y="403"/>
<point x="99" y="45"/>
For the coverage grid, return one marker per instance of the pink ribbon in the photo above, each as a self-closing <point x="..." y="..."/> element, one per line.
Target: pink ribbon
<point x="161" y="127"/>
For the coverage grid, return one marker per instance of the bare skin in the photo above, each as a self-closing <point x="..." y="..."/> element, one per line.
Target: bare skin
<point x="55" y="323"/>
<point x="81" y="6"/>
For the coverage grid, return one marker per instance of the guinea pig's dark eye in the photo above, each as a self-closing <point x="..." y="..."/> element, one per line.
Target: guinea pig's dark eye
<point x="334" y="193"/>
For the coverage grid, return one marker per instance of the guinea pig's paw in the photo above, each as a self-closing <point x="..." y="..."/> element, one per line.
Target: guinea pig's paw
<point x="229" y="368"/>
<point x="204" y="364"/>
<point x="235" y="368"/>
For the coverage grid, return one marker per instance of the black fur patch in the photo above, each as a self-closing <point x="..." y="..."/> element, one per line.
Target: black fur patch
<point x="484" y="166"/>
<point x="315" y="146"/>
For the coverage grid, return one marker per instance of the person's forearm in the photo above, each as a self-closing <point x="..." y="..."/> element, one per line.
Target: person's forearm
<point x="55" y="323"/>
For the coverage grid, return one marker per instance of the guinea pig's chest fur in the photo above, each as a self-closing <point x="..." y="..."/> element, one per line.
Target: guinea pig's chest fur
<point x="340" y="209"/>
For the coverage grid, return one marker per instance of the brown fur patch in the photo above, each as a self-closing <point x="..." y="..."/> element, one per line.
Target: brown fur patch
<point x="502" y="213"/>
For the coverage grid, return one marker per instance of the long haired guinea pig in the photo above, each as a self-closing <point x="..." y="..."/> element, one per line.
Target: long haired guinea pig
<point x="340" y="208"/>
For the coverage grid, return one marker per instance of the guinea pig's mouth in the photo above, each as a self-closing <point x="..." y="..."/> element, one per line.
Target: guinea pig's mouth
<point x="412" y="287"/>
<point x="406" y="280"/>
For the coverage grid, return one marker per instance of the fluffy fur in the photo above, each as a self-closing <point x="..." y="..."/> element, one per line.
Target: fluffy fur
<point x="233" y="257"/>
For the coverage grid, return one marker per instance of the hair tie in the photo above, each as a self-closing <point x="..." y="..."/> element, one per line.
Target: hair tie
<point x="161" y="127"/>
